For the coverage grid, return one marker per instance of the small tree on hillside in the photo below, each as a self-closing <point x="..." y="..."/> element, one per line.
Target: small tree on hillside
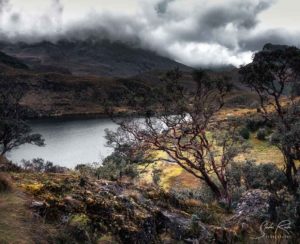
<point x="178" y="122"/>
<point x="273" y="74"/>
<point x="13" y="130"/>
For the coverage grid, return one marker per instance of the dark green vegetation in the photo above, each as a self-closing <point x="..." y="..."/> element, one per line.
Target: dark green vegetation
<point x="12" y="62"/>
<point x="273" y="75"/>
<point x="74" y="79"/>
<point x="179" y="123"/>
<point x="13" y="129"/>
<point x="186" y="125"/>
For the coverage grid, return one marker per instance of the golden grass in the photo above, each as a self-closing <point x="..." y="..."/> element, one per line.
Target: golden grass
<point x="264" y="152"/>
<point x="173" y="176"/>
<point x="13" y="216"/>
<point x="18" y="225"/>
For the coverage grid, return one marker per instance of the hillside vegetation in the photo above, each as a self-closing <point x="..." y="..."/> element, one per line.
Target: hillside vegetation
<point x="211" y="159"/>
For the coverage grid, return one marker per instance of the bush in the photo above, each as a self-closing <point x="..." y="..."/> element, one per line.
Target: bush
<point x="261" y="134"/>
<point x="5" y="183"/>
<point x="244" y="132"/>
<point x="115" y="167"/>
<point x="275" y="138"/>
<point x="87" y="169"/>
<point x="203" y="194"/>
<point x="8" y="166"/>
<point x="39" y="165"/>
<point x="253" y="124"/>
<point x="252" y="176"/>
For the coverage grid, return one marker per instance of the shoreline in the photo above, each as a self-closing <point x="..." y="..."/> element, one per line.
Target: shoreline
<point x="78" y="116"/>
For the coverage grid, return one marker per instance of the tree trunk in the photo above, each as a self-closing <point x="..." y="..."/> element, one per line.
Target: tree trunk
<point x="290" y="171"/>
<point x="213" y="187"/>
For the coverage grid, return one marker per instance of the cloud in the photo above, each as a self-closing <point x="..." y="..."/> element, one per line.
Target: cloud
<point x="195" y="32"/>
<point x="162" y="6"/>
<point x="256" y="39"/>
<point x="3" y="4"/>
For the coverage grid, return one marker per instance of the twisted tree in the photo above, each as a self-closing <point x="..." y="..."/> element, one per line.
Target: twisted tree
<point x="13" y="130"/>
<point x="274" y="76"/>
<point x="182" y="123"/>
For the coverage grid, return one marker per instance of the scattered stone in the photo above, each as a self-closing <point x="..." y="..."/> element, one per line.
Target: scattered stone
<point x="37" y="204"/>
<point x="73" y="203"/>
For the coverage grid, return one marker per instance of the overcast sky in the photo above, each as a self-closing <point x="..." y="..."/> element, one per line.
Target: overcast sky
<point x="194" y="32"/>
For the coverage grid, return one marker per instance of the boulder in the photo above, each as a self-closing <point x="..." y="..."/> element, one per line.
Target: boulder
<point x="254" y="203"/>
<point x="255" y="206"/>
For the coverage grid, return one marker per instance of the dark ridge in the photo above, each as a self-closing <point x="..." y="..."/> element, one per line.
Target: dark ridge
<point x="12" y="62"/>
<point x="97" y="58"/>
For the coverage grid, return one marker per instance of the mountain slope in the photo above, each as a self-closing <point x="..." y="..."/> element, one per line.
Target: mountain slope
<point x="90" y="58"/>
<point x="6" y="60"/>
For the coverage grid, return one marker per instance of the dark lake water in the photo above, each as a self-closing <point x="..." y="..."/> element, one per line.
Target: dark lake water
<point x="68" y="142"/>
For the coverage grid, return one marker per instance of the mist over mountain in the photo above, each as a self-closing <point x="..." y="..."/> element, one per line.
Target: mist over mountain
<point x="197" y="33"/>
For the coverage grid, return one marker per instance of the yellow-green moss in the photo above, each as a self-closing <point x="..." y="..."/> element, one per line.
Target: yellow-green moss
<point x="79" y="220"/>
<point x="33" y="188"/>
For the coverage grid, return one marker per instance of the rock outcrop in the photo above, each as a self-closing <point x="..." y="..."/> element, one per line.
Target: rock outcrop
<point x="127" y="212"/>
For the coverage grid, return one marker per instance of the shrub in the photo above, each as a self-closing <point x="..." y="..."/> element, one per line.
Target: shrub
<point x="253" y="124"/>
<point x="87" y="169"/>
<point x="252" y="176"/>
<point x="261" y="134"/>
<point x="115" y="167"/>
<point x="207" y="216"/>
<point x="203" y="194"/>
<point x="244" y="132"/>
<point x="5" y="183"/>
<point x="8" y="166"/>
<point x="275" y="138"/>
<point x="113" y="171"/>
<point x="39" y="165"/>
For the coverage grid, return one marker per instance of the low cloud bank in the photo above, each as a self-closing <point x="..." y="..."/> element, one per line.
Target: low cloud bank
<point x="194" y="32"/>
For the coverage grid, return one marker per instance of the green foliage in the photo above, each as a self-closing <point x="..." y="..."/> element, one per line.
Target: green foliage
<point x="79" y="220"/>
<point x="253" y="124"/>
<point x="207" y="216"/>
<point x="272" y="74"/>
<point x="288" y="206"/>
<point x="244" y="132"/>
<point x="261" y="134"/>
<point x="195" y="223"/>
<point x="116" y="166"/>
<point x="14" y="132"/>
<point x="204" y="194"/>
<point x="288" y="139"/>
<point x="40" y="165"/>
<point x="87" y="169"/>
<point x="251" y="176"/>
